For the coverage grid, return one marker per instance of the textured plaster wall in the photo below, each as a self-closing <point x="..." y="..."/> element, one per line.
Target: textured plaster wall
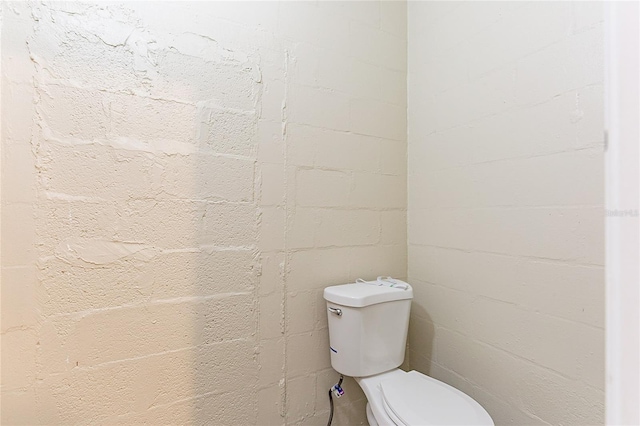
<point x="505" y="212"/>
<point x="179" y="182"/>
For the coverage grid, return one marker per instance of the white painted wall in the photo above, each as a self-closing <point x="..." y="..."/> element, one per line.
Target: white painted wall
<point x="179" y="182"/>
<point x="170" y="170"/>
<point x="505" y="207"/>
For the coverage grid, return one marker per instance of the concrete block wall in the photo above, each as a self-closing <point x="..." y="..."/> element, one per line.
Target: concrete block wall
<point x="505" y="207"/>
<point x="179" y="182"/>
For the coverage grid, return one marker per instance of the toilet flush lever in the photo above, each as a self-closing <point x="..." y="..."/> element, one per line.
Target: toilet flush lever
<point x="336" y="311"/>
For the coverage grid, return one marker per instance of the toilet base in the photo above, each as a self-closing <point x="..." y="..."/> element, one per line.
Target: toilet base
<point x="370" y="418"/>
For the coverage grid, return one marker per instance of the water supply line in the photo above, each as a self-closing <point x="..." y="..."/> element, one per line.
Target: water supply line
<point x="338" y="392"/>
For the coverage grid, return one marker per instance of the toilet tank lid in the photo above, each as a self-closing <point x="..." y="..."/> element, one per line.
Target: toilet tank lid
<point x="367" y="293"/>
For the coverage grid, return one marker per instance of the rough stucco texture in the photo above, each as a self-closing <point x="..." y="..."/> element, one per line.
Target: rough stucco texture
<point x="179" y="182"/>
<point x="506" y="196"/>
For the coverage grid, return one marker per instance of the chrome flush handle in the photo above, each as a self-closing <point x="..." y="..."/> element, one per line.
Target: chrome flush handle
<point x="336" y="311"/>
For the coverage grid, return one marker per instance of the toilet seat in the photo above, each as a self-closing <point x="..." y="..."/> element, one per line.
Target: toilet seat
<point x="398" y="398"/>
<point x="416" y="399"/>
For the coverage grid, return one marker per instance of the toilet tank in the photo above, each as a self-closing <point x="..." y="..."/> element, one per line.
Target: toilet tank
<point x="368" y="324"/>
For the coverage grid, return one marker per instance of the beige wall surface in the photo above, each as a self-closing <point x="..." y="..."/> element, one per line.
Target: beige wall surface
<point x="179" y="182"/>
<point x="505" y="208"/>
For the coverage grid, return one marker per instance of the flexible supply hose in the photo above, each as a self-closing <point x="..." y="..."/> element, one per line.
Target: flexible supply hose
<point x="331" y="399"/>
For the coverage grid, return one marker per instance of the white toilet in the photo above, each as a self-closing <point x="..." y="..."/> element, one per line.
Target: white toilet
<point x="368" y="324"/>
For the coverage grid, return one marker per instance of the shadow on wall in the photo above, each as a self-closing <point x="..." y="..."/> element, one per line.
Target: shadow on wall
<point x="420" y="340"/>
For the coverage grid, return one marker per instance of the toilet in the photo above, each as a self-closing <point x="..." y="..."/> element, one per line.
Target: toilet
<point x="368" y="323"/>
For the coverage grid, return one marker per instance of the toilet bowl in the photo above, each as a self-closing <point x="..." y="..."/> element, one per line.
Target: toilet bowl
<point x="368" y="323"/>
<point x="411" y="398"/>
